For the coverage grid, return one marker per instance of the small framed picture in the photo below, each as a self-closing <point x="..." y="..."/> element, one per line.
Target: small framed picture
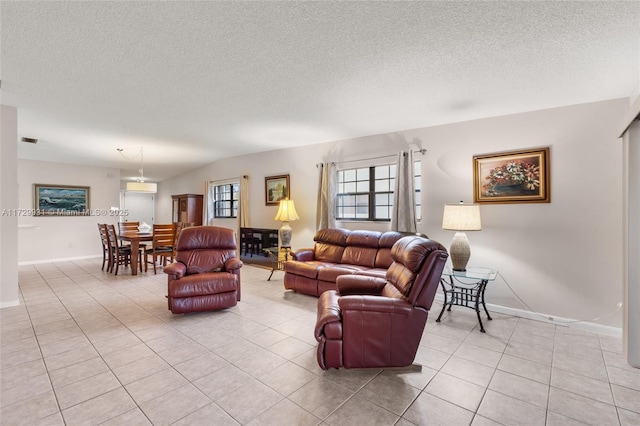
<point x="276" y="188"/>
<point x="61" y="200"/>
<point x="512" y="177"/>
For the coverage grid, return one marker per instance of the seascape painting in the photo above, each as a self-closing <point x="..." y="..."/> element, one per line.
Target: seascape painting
<point x="59" y="200"/>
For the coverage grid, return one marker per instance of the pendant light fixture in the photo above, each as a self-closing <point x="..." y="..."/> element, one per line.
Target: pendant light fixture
<point x="140" y="185"/>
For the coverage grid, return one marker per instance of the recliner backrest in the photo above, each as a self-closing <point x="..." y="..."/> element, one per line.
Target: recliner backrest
<point x="205" y="248"/>
<point x="429" y="279"/>
<point x="417" y="262"/>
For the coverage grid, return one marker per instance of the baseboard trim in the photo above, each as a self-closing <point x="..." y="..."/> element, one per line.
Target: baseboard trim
<point x="561" y="321"/>
<point x="62" y="259"/>
<point x="9" y="304"/>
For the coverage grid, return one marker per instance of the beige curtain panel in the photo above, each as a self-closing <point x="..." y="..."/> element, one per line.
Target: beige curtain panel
<point x="403" y="214"/>
<point x="326" y="207"/>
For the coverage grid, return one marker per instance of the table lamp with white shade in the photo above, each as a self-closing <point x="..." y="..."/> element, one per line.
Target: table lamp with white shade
<point x="286" y="213"/>
<point x="461" y="217"/>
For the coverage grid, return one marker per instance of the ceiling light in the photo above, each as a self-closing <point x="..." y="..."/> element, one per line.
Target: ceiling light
<point x="140" y="185"/>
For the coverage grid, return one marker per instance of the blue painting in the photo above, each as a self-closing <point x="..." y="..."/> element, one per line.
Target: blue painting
<point x="57" y="200"/>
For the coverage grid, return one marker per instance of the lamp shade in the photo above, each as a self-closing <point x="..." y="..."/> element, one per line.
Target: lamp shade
<point x="287" y="211"/>
<point x="461" y="217"/>
<point x="142" y="187"/>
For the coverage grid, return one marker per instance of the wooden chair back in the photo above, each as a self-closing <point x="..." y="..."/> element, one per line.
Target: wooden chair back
<point x="119" y="255"/>
<point x="104" y="239"/>
<point x="164" y="237"/>
<point x="179" y="227"/>
<point x="128" y="226"/>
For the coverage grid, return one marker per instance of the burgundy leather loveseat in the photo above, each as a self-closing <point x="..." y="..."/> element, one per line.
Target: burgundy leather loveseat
<point x="206" y="273"/>
<point x="339" y="252"/>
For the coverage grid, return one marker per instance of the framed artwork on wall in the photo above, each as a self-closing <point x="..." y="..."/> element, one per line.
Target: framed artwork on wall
<point x="276" y="188"/>
<point x="512" y="177"/>
<point x="61" y="200"/>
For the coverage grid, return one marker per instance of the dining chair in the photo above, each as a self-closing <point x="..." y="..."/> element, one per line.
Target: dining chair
<point x="161" y="245"/>
<point x="128" y="226"/>
<point x="252" y="243"/>
<point x="104" y="238"/>
<point x="273" y="238"/>
<point x="179" y="227"/>
<point x="120" y="255"/>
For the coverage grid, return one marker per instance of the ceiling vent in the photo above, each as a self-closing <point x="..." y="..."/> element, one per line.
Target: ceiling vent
<point x="29" y="140"/>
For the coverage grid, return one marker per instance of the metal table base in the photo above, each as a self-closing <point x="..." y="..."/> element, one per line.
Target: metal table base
<point x="470" y="295"/>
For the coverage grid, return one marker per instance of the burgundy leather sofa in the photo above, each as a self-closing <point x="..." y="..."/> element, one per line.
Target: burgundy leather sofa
<point x="338" y="252"/>
<point x="206" y="272"/>
<point x="378" y="322"/>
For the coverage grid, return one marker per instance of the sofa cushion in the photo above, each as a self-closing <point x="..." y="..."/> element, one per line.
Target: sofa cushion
<point x="335" y="236"/>
<point x="386" y="241"/>
<point x="373" y="272"/>
<point x="328" y="253"/>
<point x="361" y="256"/>
<point x="363" y="238"/>
<point x="330" y="244"/>
<point x="330" y="273"/>
<point x="361" y="249"/>
<point x="305" y="269"/>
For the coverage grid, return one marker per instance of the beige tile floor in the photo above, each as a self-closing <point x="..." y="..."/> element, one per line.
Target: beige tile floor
<point x="86" y="347"/>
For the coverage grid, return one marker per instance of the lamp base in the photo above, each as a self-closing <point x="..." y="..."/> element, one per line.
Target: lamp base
<point x="285" y="233"/>
<point x="460" y="251"/>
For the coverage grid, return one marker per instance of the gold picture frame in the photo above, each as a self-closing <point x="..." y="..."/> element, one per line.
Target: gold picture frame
<point x="512" y="177"/>
<point x="276" y="188"/>
<point x="61" y="200"/>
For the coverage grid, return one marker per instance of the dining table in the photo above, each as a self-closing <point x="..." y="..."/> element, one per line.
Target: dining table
<point x="135" y="238"/>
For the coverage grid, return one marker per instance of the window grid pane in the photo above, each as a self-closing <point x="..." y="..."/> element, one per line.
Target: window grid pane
<point x="225" y="202"/>
<point x="367" y="193"/>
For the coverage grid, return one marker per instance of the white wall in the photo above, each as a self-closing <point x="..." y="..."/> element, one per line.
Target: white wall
<point x="631" y="243"/>
<point x="50" y="238"/>
<point x="8" y="202"/>
<point x="562" y="258"/>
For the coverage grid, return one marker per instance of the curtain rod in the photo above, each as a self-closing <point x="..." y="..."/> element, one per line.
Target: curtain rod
<point x="228" y="179"/>
<point x="420" y="151"/>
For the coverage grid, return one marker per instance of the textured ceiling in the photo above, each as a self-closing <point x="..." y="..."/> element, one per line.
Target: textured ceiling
<point x="193" y="82"/>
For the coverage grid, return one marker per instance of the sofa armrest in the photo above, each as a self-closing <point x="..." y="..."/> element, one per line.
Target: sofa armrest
<point x="303" y="255"/>
<point x="232" y="264"/>
<point x="360" y="284"/>
<point x="328" y="323"/>
<point x="374" y="304"/>
<point x="176" y="269"/>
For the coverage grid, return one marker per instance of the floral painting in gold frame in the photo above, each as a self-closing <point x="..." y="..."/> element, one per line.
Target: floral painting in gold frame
<point x="512" y="177"/>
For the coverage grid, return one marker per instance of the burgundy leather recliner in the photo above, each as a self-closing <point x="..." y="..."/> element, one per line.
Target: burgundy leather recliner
<point x="378" y="322"/>
<point x="206" y="272"/>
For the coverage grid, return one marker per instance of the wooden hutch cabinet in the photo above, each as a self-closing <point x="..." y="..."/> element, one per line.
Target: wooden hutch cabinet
<point x="187" y="208"/>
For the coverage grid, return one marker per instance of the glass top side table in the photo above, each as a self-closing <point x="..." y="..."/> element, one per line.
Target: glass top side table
<point x="277" y="257"/>
<point x="466" y="288"/>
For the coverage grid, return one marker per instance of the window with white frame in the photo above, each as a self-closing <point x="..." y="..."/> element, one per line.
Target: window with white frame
<point x="367" y="193"/>
<point x="225" y="200"/>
